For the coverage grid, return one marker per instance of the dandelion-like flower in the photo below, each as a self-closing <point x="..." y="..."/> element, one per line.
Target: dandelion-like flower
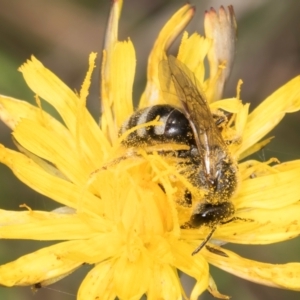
<point x="122" y="210"/>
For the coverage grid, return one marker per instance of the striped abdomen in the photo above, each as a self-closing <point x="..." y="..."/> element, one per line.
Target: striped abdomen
<point x="174" y="128"/>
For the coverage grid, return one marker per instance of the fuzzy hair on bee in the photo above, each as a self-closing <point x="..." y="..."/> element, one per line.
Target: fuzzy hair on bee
<point x="191" y="123"/>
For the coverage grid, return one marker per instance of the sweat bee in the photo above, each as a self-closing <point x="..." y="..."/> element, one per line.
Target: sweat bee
<point x="192" y="124"/>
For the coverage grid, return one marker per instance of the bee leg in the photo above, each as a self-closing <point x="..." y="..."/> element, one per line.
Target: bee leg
<point x="216" y="251"/>
<point x="237" y="219"/>
<point x="162" y="187"/>
<point x="111" y="164"/>
<point x="228" y="221"/>
<point x="204" y="241"/>
<point x="242" y="219"/>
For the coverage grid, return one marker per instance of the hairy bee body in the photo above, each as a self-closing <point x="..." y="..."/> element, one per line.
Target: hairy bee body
<point x="174" y="128"/>
<point x="211" y="167"/>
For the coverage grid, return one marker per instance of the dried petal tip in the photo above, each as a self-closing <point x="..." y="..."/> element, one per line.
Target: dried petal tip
<point x="221" y="28"/>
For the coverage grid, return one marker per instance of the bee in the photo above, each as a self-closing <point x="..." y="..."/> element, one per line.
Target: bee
<point x="213" y="169"/>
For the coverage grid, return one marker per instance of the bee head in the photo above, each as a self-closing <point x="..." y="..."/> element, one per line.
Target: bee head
<point x="209" y="214"/>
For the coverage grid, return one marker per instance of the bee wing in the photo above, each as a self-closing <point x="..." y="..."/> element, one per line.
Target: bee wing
<point x="167" y="85"/>
<point x="207" y="136"/>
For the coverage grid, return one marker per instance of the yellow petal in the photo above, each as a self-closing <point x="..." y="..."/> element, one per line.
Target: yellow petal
<point x="49" y="87"/>
<point x="13" y="110"/>
<point x="53" y="187"/>
<point x="277" y="275"/>
<point x="255" y="148"/>
<point x="164" y="283"/>
<point x="270" y="112"/>
<point x="38" y="225"/>
<point x="53" y="149"/>
<point x="99" y="248"/>
<point x="47" y="166"/>
<point x="198" y="289"/>
<point x="241" y="119"/>
<point x="123" y="68"/>
<point x="111" y="36"/>
<point x="233" y="105"/>
<point x="273" y="190"/>
<point x="167" y="35"/>
<point x="98" y="283"/>
<point x="195" y="266"/>
<point x="117" y="74"/>
<point x="36" y="267"/>
<point x="136" y="281"/>
<point x="212" y="288"/>
<point x="192" y="52"/>
<point x="252" y="168"/>
<point x="117" y="86"/>
<point x="263" y="226"/>
<point x="287" y="166"/>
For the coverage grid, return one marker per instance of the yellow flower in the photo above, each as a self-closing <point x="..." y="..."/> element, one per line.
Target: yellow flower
<point x="120" y="206"/>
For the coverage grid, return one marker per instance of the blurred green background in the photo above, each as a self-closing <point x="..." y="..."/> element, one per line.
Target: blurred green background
<point x="62" y="33"/>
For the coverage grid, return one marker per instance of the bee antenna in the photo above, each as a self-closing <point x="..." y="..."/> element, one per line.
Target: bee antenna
<point x="205" y="241"/>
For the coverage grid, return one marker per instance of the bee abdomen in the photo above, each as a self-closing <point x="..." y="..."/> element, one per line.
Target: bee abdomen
<point x="174" y="127"/>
